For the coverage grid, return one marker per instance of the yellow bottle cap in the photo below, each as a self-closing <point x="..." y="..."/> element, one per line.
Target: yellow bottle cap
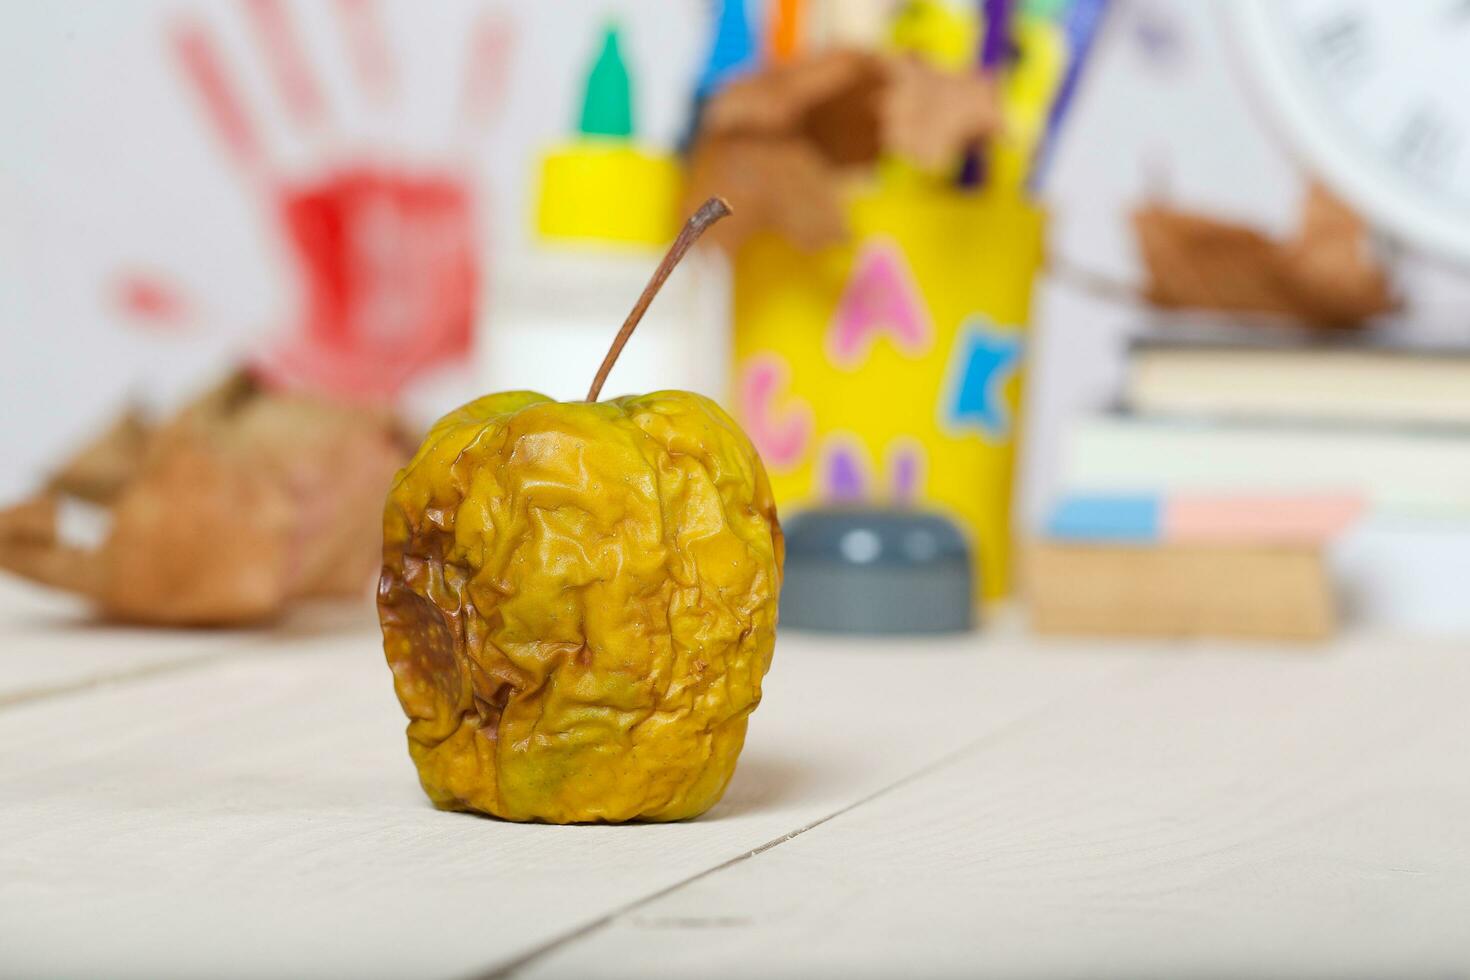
<point x="608" y="191"/>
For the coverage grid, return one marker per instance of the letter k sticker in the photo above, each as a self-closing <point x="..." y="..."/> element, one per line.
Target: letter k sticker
<point x="983" y="359"/>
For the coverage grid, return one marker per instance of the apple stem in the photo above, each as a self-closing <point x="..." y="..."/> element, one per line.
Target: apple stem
<point x="709" y="212"/>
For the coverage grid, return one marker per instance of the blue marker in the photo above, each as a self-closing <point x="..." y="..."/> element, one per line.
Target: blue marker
<point x="1083" y="20"/>
<point x="733" y="52"/>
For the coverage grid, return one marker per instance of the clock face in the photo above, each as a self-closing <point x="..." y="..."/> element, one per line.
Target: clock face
<point x="1376" y="95"/>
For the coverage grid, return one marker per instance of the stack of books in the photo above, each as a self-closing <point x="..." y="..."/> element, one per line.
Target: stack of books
<point x="1253" y="480"/>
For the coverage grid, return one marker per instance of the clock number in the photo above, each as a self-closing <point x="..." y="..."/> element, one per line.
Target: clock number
<point x="1425" y="144"/>
<point x="1340" y="44"/>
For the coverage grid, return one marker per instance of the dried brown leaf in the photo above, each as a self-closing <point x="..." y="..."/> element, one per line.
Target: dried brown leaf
<point x="1330" y="264"/>
<point x="200" y="538"/>
<point x="32" y="521"/>
<point x="782" y="144"/>
<point x="243" y="502"/>
<point x="1324" y="275"/>
<point x="932" y="117"/>
<point x="29" y="549"/>
<point x="830" y="100"/>
<point x="101" y="468"/>
<point x="779" y="185"/>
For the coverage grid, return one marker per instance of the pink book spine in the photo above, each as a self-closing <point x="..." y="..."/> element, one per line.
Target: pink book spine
<point x="1311" y="518"/>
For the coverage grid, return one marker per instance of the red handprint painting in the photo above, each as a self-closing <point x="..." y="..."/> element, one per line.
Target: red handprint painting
<point x="388" y="255"/>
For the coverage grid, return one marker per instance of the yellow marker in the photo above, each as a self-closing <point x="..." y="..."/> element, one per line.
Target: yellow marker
<point x="1031" y="85"/>
<point x="942" y="34"/>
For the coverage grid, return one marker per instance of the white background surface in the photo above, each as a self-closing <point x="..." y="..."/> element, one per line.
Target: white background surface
<point x="106" y="162"/>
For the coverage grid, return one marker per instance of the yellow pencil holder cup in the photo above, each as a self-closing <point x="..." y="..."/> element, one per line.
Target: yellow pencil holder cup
<point x="889" y="369"/>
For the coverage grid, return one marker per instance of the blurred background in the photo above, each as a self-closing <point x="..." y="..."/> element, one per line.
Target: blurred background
<point x="1159" y="305"/>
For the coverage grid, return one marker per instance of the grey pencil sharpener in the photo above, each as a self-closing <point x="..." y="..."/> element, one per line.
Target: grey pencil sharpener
<point x="876" y="570"/>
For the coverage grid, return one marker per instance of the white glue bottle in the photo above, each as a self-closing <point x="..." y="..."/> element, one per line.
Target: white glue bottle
<point x="606" y="211"/>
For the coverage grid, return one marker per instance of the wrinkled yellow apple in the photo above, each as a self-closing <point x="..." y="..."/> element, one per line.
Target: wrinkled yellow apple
<point x="578" y="602"/>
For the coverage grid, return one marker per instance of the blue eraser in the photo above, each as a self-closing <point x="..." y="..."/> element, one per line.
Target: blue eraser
<point x="1134" y="518"/>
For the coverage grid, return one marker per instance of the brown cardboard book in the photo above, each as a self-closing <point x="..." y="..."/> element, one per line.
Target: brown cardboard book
<point x="1255" y="591"/>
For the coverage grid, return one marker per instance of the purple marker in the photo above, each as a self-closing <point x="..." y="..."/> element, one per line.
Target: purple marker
<point x="1084" y="18"/>
<point x="994" y="48"/>
<point x="996" y="44"/>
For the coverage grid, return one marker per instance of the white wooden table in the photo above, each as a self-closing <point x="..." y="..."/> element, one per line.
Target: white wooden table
<point x="238" y="804"/>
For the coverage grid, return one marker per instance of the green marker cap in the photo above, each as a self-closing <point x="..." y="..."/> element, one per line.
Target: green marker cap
<point x="607" y="108"/>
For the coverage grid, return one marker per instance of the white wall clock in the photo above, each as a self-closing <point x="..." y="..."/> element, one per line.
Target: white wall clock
<point x="1375" y="96"/>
